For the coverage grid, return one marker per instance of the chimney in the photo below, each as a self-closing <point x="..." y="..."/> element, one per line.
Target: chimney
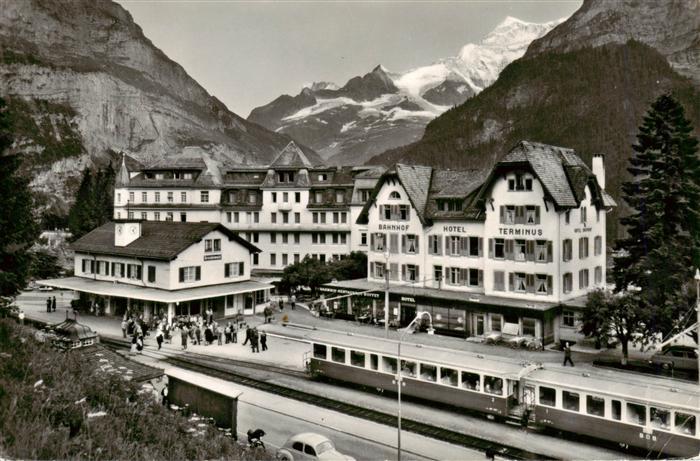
<point x="598" y="167"/>
<point x="126" y="231"/>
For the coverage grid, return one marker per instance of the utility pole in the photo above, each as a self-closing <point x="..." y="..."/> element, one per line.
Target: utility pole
<point x="386" y="299"/>
<point x="697" y="310"/>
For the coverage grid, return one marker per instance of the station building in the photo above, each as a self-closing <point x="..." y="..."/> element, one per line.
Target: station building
<point x="514" y="250"/>
<point x="165" y="269"/>
<point x="289" y="209"/>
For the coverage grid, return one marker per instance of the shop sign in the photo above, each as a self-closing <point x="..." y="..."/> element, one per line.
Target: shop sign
<point x="520" y="232"/>
<point x="212" y="257"/>
<point x="407" y="299"/>
<point x="341" y="291"/>
<point x="393" y="227"/>
<point x="583" y="229"/>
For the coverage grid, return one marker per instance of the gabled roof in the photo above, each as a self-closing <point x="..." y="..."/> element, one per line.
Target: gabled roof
<point x="415" y="179"/>
<point x="291" y="157"/>
<point x="159" y="239"/>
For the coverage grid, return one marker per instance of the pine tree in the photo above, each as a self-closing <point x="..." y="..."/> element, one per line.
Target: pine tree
<point x="80" y="214"/>
<point x="16" y="221"/>
<point x="663" y="242"/>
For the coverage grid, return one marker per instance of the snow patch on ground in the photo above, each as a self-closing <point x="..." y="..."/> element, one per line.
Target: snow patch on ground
<point x="348" y="126"/>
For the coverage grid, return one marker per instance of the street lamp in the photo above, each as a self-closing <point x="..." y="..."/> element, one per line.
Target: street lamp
<point x="399" y="377"/>
<point x="386" y="292"/>
<point x="697" y="310"/>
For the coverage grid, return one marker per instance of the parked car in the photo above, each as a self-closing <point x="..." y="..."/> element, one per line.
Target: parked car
<point x="310" y="446"/>
<point x="45" y="288"/>
<point x="676" y="358"/>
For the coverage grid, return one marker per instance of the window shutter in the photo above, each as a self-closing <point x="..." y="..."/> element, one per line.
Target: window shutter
<point x="371" y="241"/>
<point x="481" y="278"/>
<point x="198" y="273"/>
<point x="537" y="215"/>
<point x="394" y="243"/>
<point x="84" y="261"/>
<point x="503" y="214"/>
<point x="519" y="215"/>
<point x="464" y="276"/>
<point x="371" y="269"/>
<point x="481" y="247"/>
<point x="509" y="249"/>
<point x="447" y="245"/>
<point x="381" y="213"/>
<point x="511" y="283"/>
<point x="431" y="239"/>
<point x="403" y="244"/>
<point x="182" y="274"/>
<point x="580" y="248"/>
<point x="464" y="245"/>
<point x="241" y="268"/>
<point x="491" y="243"/>
<point x="439" y="244"/>
<point x="227" y="270"/>
<point x="417" y="273"/>
<point x="530" y="250"/>
<point x="530" y="283"/>
<point x="403" y="272"/>
<point x="550" y="284"/>
<point x="417" y="244"/>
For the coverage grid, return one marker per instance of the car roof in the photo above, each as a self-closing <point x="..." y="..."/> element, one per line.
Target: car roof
<point x="309" y="438"/>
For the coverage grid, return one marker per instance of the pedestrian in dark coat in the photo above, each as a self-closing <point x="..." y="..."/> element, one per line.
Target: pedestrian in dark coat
<point x="183" y="336"/>
<point x="263" y="340"/>
<point x="234" y="333"/>
<point x="254" y="344"/>
<point x="198" y="333"/>
<point x="53" y="304"/>
<point x="248" y="336"/>
<point x="567" y="355"/>
<point x="48" y="304"/>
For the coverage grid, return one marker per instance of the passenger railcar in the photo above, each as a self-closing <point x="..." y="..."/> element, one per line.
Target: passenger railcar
<point x="648" y="413"/>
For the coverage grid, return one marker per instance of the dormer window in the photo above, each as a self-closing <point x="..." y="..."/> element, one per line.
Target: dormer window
<point x="450" y="205"/>
<point x="160" y="176"/>
<point x="394" y="196"/>
<point x="318" y="197"/>
<point x="339" y="196"/>
<point x="323" y="177"/>
<point x="520" y="182"/>
<point x="187" y="176"/>
<point x="285" y="176"/>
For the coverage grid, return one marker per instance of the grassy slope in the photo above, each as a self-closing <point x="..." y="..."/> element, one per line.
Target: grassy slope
<point x="591" y="100"/>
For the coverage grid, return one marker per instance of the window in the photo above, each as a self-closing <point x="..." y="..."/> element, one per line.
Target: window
<point x="435" y="244"/>
<point x="455" y="245"/>
<point x="437" y="273"/>
<point x="409" y="369"/>
<point x="493" y="385"/>
<point x="338" y="354"/>
<point x="567" y="250"/>
<point x="541" y="284"/>
<point x="212" y="245"/>
<point x="570" y="400"/>
<point x="509" y="217"/>
<point x="252" y="198"/>
<point x="449" y="376"/>
<point x="296" y="258"/>
<point x="183" y="197"/>
<point x="204" y="196"/>
<point x="323" y="217"/>
<point x="394" y="196"/>
<point x="297" y="197"/>
<point x="144" y="215"/>
<point x="296" y="238"/>
<point x="297" y="218"/>
<point x="568" y="318"/>
<point x="684" y="424"/>
<point x="529" y="326"/>
<point x="285" y="259"/>
<point x="285" y="217"/>
<point x="595" y="405"/>
<point x="309" y="450"/>
<point x="584" y="213"/>
<point x="190" y="274"/>
<point x="583" y="247"/>
<point x="542" y="252"/>
<point x="318" y="197"/>
<point x="583" y="278"/>
<point x="378" y="242"/>
<point x="410" y="272"/>
<point x="144" y="197"/>
<point x="520" y="250"/>
<point x="532" y="214"/>
<point x="454" y="276"/>
<point x="567" y="217"/>
<point x="660" y="418"/>
<point x="169" y="216"/>
<point x="119" y="197"/>
<point x="131" y="197"/>
<point x="320" y="351"/>
<point x="597" y="245"/>
<point x="379" y="270"/>
<point x="156" y="216"/>
<point x="131" y="215"/>
<point x="636" y="414"/>
<point x="285" y="237"/>
<point x="499" y="283"/>
<point x="598" y="275"/>
<point x="273" y="217"/>
<point x="597" y="215"/>
<point x="428" y="372"/>
<point x="568" y="282"/>
<point x="274" y="197"/>
<point x="616" y="410"/>
<point x="548" y="396"/>
<point x="151" y="274"/>
<point x="500" y="249"/>
<point x="285" y="197"/>
<point x="336" y="217"/>
<point x="171" y="197"/>
<point x="410" y="244"/>
<point x="236" y="269"/>
<point x="519" y="282"/>
<point x="273" y="259"/>
<point x="357" y="359"/>
<point x="363" y="239"/>
<point x="389" y="365"/>
<point x="404" y="212"/>
<point x="339" y="196"/>
<point x="183" y="217"/>
<point x="474" y="278"/>
<point x="471" y="381"/>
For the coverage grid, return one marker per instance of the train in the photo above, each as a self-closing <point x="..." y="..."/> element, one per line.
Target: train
<point x="653" y="414"/>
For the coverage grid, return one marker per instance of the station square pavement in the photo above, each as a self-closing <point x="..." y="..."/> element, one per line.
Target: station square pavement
<point x="286" y="352"/>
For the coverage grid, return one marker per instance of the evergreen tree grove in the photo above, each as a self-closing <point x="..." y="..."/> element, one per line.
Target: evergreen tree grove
<point x="18" y="229"/>
<point x="93" y="205"/>
<point x="663" y="242"/>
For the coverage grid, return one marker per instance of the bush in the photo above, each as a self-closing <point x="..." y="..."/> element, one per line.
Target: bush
<point x="52" y="407"/>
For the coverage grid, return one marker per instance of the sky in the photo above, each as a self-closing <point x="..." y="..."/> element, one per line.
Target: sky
<point x="247" y="53"/>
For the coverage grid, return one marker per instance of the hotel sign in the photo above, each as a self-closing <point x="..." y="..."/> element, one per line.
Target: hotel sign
<point x="212" y="257"/>
<point x="520" y="232"/>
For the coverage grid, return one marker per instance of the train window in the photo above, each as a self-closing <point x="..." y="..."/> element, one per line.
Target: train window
<point x="409" y="369"/>
<point x="320" y="351"/>
<point x="548" y="396"/>
<point x="374" y="361"/>
<point x="338" y="354"/>
<point x="570" y="400"/>
<point x="636" y="414"/>
<point x="595" y="405"/>
<point x="357" y="359"/>
<point x="660" y="418"/>
<point x="428" y="372"/>
<point x="389" y="364"/>
<point x="448" y="376"/>
<point x="471" y="381"/>
<point x="616" y="410"/>
<point x="493" y="385"/>
<point x="684" y="424"/>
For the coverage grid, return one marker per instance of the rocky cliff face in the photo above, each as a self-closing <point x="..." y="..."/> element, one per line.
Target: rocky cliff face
<point x="83" y="70"/>
<point x="671" y="27"/>
<point x="383" y="109"/>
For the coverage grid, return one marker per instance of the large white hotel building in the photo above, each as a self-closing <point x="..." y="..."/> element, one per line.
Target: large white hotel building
<point x="514" y="249"/>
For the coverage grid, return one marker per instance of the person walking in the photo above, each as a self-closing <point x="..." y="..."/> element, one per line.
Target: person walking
<point x="159" y="335"/>
<point x="198" y="332"/>
<point x="53" y="304"/>
<point x="183" y="336"/>
<point x="227" y="332"/>
<point x="567" y="355"/>
<point x="48" y="304"/>
<point x="293" y="301"/>
<point x="124" y="326"/>
<point x="254" y="344"/>
<point x="263" y="340"/>
<point x="219" y="333"/>
<point x="248" y="336"/>
<point x="234" y="333"/>
<point x="281" y="303"/>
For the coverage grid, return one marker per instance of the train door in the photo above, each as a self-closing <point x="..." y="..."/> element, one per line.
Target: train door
<point x="528" y="397"/>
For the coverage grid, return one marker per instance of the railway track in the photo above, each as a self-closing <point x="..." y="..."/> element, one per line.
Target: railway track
<point x="230" y="370"/>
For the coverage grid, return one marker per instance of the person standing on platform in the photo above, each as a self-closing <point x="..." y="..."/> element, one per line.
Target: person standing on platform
<point x="198" y="331"/>
<point x="293" y="301"/>
<point x="48" y="304"/>
<point x="254" y="344"/>
<point x="159" y="335"/>
<point x="124" y="326"/>
<point x="210" y="315"/>
<point x="567" y="355"/>
<point x="53" y="304"/>
<point x="263" y="340"/>
<point x="227" y="332"/>
<point x="183" y="336"/>
<point x="234" y="333"/>
<point x="248" y="336"/>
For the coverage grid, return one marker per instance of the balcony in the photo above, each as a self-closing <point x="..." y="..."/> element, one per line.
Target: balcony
<point x="284" y="206"/>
